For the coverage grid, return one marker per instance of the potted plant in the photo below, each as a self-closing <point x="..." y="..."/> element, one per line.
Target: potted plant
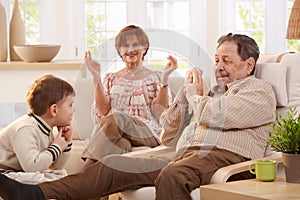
<point x="285" y="138"/>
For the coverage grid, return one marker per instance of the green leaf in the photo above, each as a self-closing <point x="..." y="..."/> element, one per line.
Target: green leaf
<point x="286" y="132"/>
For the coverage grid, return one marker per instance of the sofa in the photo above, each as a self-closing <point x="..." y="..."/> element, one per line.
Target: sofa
<point x="280" y="70"/>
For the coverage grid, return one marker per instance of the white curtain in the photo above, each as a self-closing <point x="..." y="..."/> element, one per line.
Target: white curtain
<point x="63" y="22"/>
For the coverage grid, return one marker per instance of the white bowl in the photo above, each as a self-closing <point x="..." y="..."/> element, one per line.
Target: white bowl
<point x="38" y="52"/>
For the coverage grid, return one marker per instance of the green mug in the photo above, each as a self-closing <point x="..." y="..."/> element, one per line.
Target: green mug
<point x="265" y="170"/>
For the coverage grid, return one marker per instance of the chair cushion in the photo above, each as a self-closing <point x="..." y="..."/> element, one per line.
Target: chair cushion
<point x="276" y="75"/>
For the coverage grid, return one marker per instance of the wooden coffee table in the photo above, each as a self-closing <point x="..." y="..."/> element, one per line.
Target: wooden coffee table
<point x="250" y="190"/>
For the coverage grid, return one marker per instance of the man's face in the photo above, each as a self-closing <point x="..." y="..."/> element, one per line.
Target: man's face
<point x="229" y="65"/>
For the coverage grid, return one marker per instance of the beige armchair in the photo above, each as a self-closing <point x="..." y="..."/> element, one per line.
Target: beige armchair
<point x="281" y="71"/>
<point x="220" y="176"/>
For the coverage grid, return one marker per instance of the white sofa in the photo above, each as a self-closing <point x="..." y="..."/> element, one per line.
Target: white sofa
<point x="286" y="83"/>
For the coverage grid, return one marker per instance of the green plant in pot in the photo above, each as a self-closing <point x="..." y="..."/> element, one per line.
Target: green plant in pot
<point x="285" y="138"/>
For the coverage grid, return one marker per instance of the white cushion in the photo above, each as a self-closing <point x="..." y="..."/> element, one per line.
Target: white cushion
<point x="267" y="58"/>
<point x="292" y="61"/>
<point x="82" y="122"/>
<point x="276" y="74"/>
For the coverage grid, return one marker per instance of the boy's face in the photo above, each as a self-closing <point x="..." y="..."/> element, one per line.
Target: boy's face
<point x="64" y="111"/>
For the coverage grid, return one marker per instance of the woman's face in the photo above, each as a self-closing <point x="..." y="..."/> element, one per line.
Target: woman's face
<point x="132" y="51"/>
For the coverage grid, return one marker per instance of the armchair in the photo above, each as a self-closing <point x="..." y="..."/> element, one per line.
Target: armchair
<point x="221" y="176"/>
<point x="281" y="72"/>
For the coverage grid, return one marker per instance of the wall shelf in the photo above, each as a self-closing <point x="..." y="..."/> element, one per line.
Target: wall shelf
<point x="40" y="65"/>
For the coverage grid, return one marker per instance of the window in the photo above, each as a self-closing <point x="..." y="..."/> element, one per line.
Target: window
<point x="250" y="19"/>
<point x="80" y="25"/>
<point x="30" y="12"/>
<point x="172" y="15"/>
<point x="102" y="20"/>
<point x="264" y="20"/>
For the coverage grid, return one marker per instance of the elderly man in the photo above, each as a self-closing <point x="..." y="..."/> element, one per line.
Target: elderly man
<point x="228" y="126"/>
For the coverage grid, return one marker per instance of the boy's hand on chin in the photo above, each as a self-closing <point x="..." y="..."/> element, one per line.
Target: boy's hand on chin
<point x="66" y="132"/>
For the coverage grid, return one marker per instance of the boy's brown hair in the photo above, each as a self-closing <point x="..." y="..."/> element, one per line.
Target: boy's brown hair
<point x="46" y="91"/>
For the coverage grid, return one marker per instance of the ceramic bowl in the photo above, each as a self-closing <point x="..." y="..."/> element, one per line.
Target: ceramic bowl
<point x="38" y="52"/>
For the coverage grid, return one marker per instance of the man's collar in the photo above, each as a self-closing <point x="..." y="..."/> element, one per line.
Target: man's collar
<point x="219" y="90"/>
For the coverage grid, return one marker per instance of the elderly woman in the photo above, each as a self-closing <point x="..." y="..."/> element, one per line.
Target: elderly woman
<point x="128" y="103"/>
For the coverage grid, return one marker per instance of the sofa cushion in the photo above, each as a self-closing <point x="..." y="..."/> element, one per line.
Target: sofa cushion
<point x="82" y="122"/>
<point x="275" y="74"/>
<point x="267" y="58"/>
<point x="292" y="61"/>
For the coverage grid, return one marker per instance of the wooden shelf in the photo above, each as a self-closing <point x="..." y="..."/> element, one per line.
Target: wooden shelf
<point x="14" y="65"/>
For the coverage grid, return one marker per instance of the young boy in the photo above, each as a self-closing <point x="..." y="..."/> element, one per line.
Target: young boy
<point x="29" y="143"/>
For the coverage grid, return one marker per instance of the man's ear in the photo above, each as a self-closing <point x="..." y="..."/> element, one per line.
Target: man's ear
<point x="53" y="109"/>
<point x="250" y="65"/>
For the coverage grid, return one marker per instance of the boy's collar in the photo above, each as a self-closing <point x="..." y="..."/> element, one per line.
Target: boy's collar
<point x="44" y="127"/>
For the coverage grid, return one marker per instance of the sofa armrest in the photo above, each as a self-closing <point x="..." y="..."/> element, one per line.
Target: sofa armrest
<point x="223" y="174"/>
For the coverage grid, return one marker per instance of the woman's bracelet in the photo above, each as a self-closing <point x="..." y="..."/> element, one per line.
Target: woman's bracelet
<point x="162" y="85"/>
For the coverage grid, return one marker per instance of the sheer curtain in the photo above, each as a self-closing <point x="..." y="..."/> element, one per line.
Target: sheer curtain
<point x="65" y="26"/>
<point x="64" y="22"/>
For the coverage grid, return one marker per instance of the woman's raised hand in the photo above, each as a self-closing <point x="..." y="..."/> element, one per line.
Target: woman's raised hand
<point x="171" y="65"/>
<point x="93" y="66"/>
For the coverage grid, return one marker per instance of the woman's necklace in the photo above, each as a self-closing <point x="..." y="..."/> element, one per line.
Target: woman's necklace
<point x="133" y="72"/>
